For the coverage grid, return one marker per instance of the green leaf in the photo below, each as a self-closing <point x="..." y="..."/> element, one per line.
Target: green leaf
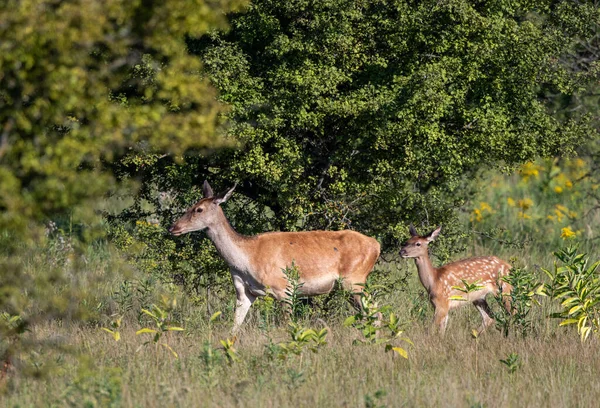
<point x="458" y="297"/>
<point x="215" y="316"/>
<point x="568" y="322"/>
<point x="145" y="330"/>
<point x="574" y="309"/>
<point x="149" y="313"/>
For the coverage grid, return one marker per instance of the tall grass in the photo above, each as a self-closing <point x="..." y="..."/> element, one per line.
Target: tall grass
<point x="513" y="216"/>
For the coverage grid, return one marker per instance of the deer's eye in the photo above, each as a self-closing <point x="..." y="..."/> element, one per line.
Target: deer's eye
<point x="198" y="210"/>
<point x="418" y="244"/>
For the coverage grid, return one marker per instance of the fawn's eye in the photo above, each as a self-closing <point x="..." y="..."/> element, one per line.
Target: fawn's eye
<point x="418" y="244"/>
<point x="198" y="210"/>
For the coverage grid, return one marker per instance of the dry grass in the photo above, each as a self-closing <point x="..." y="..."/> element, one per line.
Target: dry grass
<point x="556" y="369"/>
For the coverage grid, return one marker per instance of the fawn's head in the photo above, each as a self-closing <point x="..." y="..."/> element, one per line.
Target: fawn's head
<point x="416" y="246"/>
<point x="203" y="214"/>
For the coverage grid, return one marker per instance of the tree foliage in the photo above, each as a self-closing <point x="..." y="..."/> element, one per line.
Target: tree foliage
<point x="369" y="115"/>
<point x="84" y="83"/>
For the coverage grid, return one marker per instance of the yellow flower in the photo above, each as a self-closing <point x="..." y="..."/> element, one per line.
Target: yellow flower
<point x="483" y="206"/>
<point x="510" y="202"/>
<point x="572" y="214"/>
<point x="529" y="169"/>
<point x="524" y="216"/>
<point x="476" y="215"/>
<point x="567" y="233"/>
<point x="569" y="184"/>
<point x="562" y="208"/>
<point x="525" y="203"/>
<point x="558" y="189"/>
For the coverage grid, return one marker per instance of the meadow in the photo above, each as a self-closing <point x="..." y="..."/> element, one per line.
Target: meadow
<point x="179" y="353"/>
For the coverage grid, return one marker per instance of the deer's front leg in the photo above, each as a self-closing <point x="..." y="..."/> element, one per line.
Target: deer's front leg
<point x="440" y="317"/>
<point x="244" y="301"/>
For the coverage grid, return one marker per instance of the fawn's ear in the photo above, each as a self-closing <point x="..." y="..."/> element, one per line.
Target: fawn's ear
<point x="207" y="190"/>
<point x="224" y="196"/>
<point x="412" y="230"/>
<point x="434" y="234"/>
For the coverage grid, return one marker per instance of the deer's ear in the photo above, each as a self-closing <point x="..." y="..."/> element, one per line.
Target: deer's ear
<point x="434" y="234"/>
<point x="412" y="230"/>
<point x="224" y="196"/>
<point x="207" y="190"/>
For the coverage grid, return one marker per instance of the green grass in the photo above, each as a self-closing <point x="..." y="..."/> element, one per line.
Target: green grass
<point x="556" y="369"/>
<point x="92" y="369"/>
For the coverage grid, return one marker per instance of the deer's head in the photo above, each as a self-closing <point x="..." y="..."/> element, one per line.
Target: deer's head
<point x="416" y="246"/>
<point x="203" y="214"/>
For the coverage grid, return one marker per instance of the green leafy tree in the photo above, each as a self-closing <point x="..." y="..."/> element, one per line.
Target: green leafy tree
<point x="369" y="115"/>
<point x="82" y="85"/>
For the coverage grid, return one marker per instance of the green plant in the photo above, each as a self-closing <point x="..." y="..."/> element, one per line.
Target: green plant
<point x="377" y="324"/>
<point x="512" y="362"/>
<point x="211" y="360"/>
<point x="576" y="285"/>
<point x="229" y="351"/>
<point x="163" y="326"/>
<point x="526" y="287"/>
<point x="372" y="401"/>
<point x="467" y="288"/>
<point x="475" y="336"/>
<point x="115" y="325"/>
<point x="294" y="378"/>
<point x="294" y="293"/>
<point x="301" y="338"/>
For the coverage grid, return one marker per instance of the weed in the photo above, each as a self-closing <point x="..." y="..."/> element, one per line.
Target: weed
<point x="577" y="286"/>
<point x="163" y="326"/>
<point x="373" y="401"/>
<point x="115" y="325"/>
<point x="378" y="325"/>
<point x="525" y="289"/>
<point x="293" y="293"/>
<point x="512" y="362"/>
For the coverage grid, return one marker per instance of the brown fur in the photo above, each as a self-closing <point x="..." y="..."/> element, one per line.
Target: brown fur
<point x="486" y="271"/>
<point x="257" y="262"/>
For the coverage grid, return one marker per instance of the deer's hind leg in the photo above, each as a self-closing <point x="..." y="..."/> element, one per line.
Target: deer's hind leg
<point x="486" y="314"/>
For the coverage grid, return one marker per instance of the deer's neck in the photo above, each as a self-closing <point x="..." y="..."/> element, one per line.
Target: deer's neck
<point x="229" y="244"/>
<point x="426" y="272"/>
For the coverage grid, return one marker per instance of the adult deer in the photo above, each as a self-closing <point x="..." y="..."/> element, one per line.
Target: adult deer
<point x="442" y="283"/>
<point x="257" y="262"/>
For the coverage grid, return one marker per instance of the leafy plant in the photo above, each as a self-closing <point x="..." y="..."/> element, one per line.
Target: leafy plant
<point x="301" y="338"/>
<point x="229" y="351"/>
<point x="163" y="326"/>
<point x="115" y="325"/>
<point x="293" y="292"/>
<point x="467" y="288"/>
<point x="295" y="378"/>
<point x="575" y="283"/>
<point x="512" y="362"/>
<point x="526" y="288"/>
<point x="372" y="401"/>
<point x="377" y="324"/>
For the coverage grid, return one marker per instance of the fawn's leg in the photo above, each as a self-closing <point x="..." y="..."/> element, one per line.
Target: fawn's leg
<point x="485" y="312"/>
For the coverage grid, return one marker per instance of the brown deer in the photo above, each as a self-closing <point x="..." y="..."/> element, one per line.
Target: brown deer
<point x="257" y="262"/>
<point x="442" y="283"/>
